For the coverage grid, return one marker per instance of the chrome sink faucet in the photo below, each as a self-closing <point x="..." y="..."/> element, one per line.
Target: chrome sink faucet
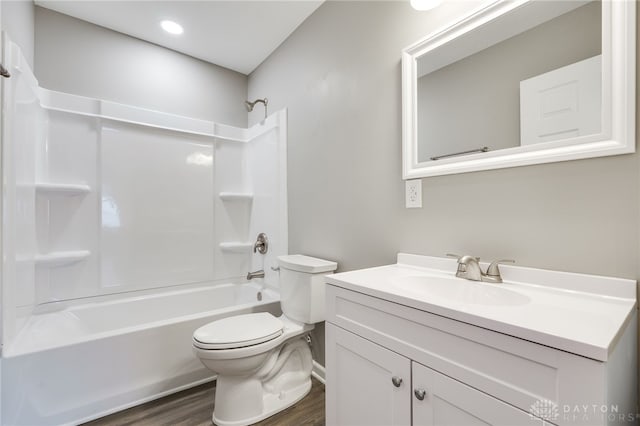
<point x="469" y="268"/>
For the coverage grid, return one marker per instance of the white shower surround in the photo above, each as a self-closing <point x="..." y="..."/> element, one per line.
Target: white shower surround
<point x="105" y="201"/>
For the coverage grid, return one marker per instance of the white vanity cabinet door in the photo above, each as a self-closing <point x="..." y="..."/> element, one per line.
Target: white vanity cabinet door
<point x="360" y="382"/>
<point x="448" y="402"/>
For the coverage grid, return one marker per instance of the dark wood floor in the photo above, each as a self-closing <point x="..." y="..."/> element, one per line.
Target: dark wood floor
<point x="193" y="407"/>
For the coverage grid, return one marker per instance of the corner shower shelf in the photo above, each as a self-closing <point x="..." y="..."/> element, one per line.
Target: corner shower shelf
<point x="70" y="189"/>
<point x="236" y="196"/>
<point x="61" y="258"/>
<point x="236" y="247"/>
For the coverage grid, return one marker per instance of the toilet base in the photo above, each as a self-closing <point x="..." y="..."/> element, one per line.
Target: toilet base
<point x="272" y="404"/>
<point x="283" y="379"/>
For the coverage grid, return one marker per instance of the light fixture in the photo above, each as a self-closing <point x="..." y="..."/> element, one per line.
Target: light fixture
<point x="171" y="27"/>
<point x="425" y="4"/>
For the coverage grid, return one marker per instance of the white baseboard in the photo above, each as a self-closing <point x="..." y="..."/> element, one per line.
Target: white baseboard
<point x="318" y="372"/>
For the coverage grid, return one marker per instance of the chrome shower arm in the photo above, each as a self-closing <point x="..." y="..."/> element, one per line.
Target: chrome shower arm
<point x="251" y="105"/>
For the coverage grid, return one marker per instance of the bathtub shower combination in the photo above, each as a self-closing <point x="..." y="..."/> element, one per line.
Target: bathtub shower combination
<point x="123" y="231"/>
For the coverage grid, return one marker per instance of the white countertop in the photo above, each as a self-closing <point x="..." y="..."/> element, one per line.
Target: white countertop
<point x="577" y="313"/>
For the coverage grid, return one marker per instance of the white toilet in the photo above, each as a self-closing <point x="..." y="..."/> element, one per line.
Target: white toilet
<point x="264" y="363"/>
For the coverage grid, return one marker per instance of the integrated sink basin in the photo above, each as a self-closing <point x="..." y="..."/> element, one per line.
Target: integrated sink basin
<point x="459" y="290"/>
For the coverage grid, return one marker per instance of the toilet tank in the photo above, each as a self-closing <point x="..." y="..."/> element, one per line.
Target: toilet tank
<point x="302" y="287"/>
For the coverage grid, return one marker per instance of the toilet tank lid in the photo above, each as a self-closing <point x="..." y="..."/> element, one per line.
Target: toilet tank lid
<point x="302" y="263"/>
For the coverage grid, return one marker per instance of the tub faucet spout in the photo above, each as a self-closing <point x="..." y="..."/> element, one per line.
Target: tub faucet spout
<point x="256" y="274"/>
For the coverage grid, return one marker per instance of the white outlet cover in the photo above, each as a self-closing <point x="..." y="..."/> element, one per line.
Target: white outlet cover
<point x="413" y="194"/>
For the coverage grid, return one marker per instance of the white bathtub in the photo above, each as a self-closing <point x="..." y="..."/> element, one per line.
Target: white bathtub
<point x="92" y="359"/>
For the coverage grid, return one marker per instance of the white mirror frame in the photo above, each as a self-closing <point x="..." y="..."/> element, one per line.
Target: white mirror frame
<point x="618" y="97"/>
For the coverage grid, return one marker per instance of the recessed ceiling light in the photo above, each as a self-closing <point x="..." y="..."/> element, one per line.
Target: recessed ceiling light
<point x="425" y="4"/>
<point x="171" y="27"/>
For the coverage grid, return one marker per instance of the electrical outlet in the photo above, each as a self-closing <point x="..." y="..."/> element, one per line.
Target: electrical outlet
<point x="413" y="194"/>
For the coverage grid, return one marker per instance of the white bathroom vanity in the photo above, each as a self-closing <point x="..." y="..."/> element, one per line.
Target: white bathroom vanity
<point x="411" y="344"/>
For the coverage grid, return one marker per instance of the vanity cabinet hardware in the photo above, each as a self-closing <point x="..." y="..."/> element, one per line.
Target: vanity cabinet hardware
<point x="420" y="394"/>
<point x="397" y="381"/>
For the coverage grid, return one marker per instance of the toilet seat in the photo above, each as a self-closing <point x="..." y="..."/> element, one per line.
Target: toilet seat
<point x="239" y="331"/>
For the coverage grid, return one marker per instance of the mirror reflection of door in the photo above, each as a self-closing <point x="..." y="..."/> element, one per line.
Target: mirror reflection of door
<point x="563" y="103"/>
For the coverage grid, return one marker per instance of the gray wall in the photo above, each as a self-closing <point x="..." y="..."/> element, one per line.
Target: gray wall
<point x="339" y="75"/>
<point x="484" y="88"/>
<point x="77" y="57"/>
<point x="17" y="20"/>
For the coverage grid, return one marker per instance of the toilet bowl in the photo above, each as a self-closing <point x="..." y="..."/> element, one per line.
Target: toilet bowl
<point x="264" y="362"/>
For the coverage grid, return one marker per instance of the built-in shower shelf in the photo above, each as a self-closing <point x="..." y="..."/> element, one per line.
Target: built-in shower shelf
<point x="69" y="189"/>
<point x="236" y="196"/>
<point x="236" y="247"/>
<point x="61" y="258"/>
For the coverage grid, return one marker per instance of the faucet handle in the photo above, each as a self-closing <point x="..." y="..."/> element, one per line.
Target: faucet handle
<point x="462" y="267"/>
<point x="464" y="258"/>
<point x="262" y="244"/>
<point x="494" y="271"/>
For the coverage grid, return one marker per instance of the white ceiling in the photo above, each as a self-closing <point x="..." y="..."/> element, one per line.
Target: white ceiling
<point x="234" y="34"/>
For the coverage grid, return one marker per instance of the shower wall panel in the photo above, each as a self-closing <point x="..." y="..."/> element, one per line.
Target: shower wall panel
<point x="162" y="200"/>
<point x="20" y="132"/>
<point x="157" y="208"/>
<point x="267" y="160"/>
<point x="232" y="216"/>
<point x="26" y="110"/>
<point x="67" y="221"/>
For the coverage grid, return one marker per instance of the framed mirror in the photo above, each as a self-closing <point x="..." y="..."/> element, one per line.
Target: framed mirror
<point x="520" y="82"/>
